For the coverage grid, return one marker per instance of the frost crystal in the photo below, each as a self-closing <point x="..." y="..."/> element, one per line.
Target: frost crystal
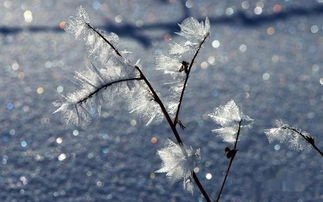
<point x="176" y="61"/>
<point x="77" y="25"/>
<point x="177" y="165"/>
<point x="81" y="29"/>
<point x="229" y="116"/>
<point x="142" y="102"/>
<point x="194" y="31"/>
<point x="168" y="64"/>
<point x="96" y="86"/>
<point x="284" y="133"/>
<point x="109" y="75"/>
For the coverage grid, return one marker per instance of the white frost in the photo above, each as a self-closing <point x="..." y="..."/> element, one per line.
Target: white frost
<point x="229" y="116"/>
<point x="178" y="165"/>
<point x="178" y="49"/>
<point x="78" y="26"/>
<point x="142" y="103"/>
<point x="193" y="30"/>
<point x="79" y="107"/>
<point x="283" y="133"/>
<point x="168" y="64"/>
<point x="106" y="77"/>
<point x="181" y="52"/>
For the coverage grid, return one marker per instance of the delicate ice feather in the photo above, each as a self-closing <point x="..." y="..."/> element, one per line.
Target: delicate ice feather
<point x="79" y="26"/>
<point x="168" y="64"/>
<point x="283" y="134"/>
<point x="178" y="165"/>
<point x="229" y="116"/>
<point x="192" y="30"/>
<point x="228" y="134"/>
<point x="178" y="49"/>
<point x="142" y="103"/>
<point x="180" y="53"/>
<point x="95" y="86"/>
<point x="76" y="25"/>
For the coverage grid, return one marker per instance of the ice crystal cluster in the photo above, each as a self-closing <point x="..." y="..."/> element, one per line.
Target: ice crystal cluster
<point x="178" y="163"/>
<point x="229" y="116"/>
<point x="176" y="61"/>
<point x="285" y="133"/>
<point x="109" y="74"/>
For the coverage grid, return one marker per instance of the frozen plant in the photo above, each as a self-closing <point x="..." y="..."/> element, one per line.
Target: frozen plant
<point x="111" y="73"/>
<point x="296" y="138"/>
<point x="229" y="116"/>
<point x="232" y="120"/>
<point x="178" y="163"/>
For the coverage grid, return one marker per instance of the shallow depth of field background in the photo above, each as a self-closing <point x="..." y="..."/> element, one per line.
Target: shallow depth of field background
<point x="266" y="55"/>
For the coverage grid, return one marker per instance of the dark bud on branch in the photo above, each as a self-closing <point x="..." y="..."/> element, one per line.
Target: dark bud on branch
<point x="184" y="67"/>
<point x="230" y="153"/>
<point x="181" y="124"/>
<point x="310" y="140"/>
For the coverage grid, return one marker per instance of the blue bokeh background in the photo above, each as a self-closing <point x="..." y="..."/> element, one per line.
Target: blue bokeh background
<point x="266" y="55"/>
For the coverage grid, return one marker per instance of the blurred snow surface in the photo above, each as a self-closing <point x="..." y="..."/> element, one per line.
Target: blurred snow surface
<point x="266" y="55"/>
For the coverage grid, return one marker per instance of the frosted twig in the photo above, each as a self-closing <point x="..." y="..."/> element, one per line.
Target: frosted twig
<point x="106" y="40"/>
<point x="230" y="153"/>
<point x="307" y="138"/>
<point x="187" y="71"/>
<point x="104" y="87"/>
<point x="293" y="136"/>
<point x="163" y="108"/>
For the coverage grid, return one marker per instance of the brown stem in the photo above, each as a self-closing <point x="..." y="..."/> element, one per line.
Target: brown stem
<point x="163" y="108"/>
<point x="105" y="86"/>
<point x="199" y="185"/>
<point x="230" y="163"/>
<point x="308" y="139"/>
<point x="176" y="121"/>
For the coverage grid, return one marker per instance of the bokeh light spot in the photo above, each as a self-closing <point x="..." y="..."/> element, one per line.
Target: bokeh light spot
<point x="28" y="15"/>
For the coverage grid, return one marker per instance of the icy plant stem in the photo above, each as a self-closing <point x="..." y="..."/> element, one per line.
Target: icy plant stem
<point x="106" y="40"/>
<point x="176" y="120"/>
<point x="310" y="140"/>
<point x="162" y="106"/>
<point x="105" y="86"/>
<point x="230" y="163"/>
<point x="175" y="132"/>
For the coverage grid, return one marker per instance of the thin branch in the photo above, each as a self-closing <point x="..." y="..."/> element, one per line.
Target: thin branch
<point x="163" y="108"/>
<point x="308" y="139"/>
<point x="175" y="132"/>
<point x="234" y="151"/>
<point x="106" y="40"/>
<point x="104" y="87"/>
<point x="187" y="71"/>
<point x="199" y="185"/>
<point x="152" y="90"/>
